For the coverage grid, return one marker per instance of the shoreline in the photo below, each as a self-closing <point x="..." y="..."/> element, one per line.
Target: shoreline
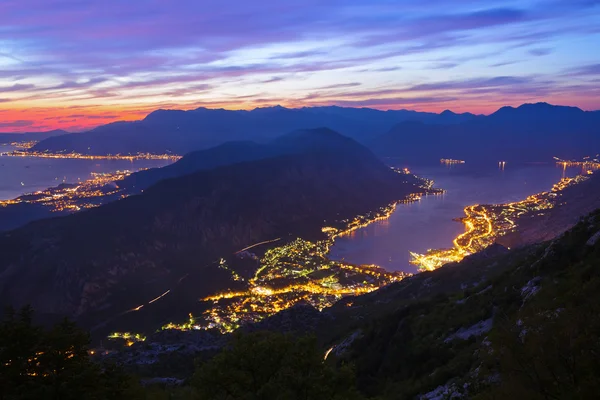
<point x="79" y="156"/>
<point x="485" y="223"/>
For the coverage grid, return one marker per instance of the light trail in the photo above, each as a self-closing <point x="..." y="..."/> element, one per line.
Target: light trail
<point x="327" y="352"/>
<point x="258" y="244"/>
<point x="159" y="297"/>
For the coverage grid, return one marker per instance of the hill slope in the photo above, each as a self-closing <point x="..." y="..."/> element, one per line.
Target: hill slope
<point x="106" y="260"/>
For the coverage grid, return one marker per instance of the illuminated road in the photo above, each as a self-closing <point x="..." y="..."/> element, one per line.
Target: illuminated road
<point x="485" y="223"/>
<point x="258" y="244"/>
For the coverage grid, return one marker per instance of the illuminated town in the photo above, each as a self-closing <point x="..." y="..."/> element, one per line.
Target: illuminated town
<point x="449" y="161"/>
<point x="128" y="157"/>
<point x="297" y="272"/>
<point x="485" y="223"/>
<point x="587" y="164"/>
<point x="75" y="197"/>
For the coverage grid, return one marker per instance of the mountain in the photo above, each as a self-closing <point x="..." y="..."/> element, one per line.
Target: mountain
<point x="6" y="138"/>
<point x="497" y="325"/>
<point x="300" y="141"/>
<point x="519" y="323"/>
<point x="531" y="132"/>
<point x="575" y="202"/>
<point x="99" y="263"/>
<point x="224" y="154"/>
<point x="180" y="132"/>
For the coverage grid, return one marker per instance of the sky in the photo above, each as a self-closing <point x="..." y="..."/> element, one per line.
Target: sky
<point x="76" y="64"/>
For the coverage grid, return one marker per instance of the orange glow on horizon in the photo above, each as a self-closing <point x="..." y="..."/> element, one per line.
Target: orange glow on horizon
<point x="21" y="117"/>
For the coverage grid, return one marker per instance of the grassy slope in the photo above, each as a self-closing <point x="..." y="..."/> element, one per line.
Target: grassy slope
<point x="406" y="346"/>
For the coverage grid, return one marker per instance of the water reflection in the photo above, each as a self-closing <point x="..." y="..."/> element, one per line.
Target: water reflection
<point x="430" y="223"/>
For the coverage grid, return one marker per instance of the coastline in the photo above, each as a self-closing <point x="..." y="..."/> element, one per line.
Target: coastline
<point x="486" y="223"/>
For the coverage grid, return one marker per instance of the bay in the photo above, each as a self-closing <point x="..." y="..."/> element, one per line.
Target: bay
<point x="430" y="223"/>
<point x="20" y="175"/>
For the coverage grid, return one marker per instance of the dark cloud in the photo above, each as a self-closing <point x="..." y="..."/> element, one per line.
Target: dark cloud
<point x="340" y="85"/>
<point x="390" y="102"/>
<point x="592" y="69"/>
<point x="16" y="124"/>
<point x="273" y="79"/>
<point x="476" y="83"/>
<point x="446" y="65"/>
<point x="540" y="52"/>
<point x="17" y="87"/>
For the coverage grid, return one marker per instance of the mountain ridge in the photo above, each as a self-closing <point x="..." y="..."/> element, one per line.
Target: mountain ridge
<point x="104" y="260"/>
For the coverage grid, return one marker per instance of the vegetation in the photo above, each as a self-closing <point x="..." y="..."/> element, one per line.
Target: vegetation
<point x="273" y="366"/>
<point x="36" y="363"/>
<point x="522" y="325"/>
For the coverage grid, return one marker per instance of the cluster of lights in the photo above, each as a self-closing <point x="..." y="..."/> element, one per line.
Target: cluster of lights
<point x="73" y="155"/>
<point x="72" y="198"/>
<point x="485" y="223"/>
<point x="23" y="145"/>
<point x="450" y="161"/>
<point x="588" y="164"/>
<point x="296" y="272"/>
<point x="127" y="337"/>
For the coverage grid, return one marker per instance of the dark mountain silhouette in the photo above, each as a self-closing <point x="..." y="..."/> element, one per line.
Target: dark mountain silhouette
<point x="98" y="263"/>
<point x="224" y="154"/>
<point x="6" y="138"/>
<point x="180" y="132"/>
<point x="531" y="132"/>
<point x="314" y="140"/>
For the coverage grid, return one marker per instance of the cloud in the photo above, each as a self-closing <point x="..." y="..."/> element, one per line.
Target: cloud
<point x="390" y="102"/>
<point x="475" y="83"/>
<point x="17" y="87"/>
<point x="273" y="79"/>
<point x="591" y="70"/>
<point x="115" y="54"/>
<point x="446" y="65"/>
<point x="16" y="124"/>
<point x="340" y="85"/>
<point x="540" y="52"/>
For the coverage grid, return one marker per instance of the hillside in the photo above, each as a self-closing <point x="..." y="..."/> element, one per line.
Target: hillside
<point x="180" y="131"/>
<point x="499" y="325"/>
<point x="99" y="263"/>
<point x="6" y="138"/>
<point x="517" y="324"/>
<point x="295" y="142"/>
<point x="531" y="132"/>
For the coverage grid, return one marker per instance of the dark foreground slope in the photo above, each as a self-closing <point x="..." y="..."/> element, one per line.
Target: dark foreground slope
<point x="531" y="132"/>
<point x="521" y="325"/>
<point x="104" y="261"/>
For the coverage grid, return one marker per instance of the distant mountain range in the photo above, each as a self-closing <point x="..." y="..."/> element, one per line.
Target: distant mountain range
<point x="176" y="131"/>
<point x="6" y="138"/>
<point x="531" y="132"/>
<point x="98" y="263"/>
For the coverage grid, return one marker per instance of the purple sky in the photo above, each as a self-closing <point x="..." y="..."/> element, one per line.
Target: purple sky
<point x="79" y="63"/>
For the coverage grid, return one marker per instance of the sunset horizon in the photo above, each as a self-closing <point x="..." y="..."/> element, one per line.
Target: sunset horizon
<point x="75" y="66"/>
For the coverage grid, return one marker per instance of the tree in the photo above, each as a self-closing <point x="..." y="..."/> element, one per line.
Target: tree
<point x="53" y="364"/>
<point x="265" y="366"/>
